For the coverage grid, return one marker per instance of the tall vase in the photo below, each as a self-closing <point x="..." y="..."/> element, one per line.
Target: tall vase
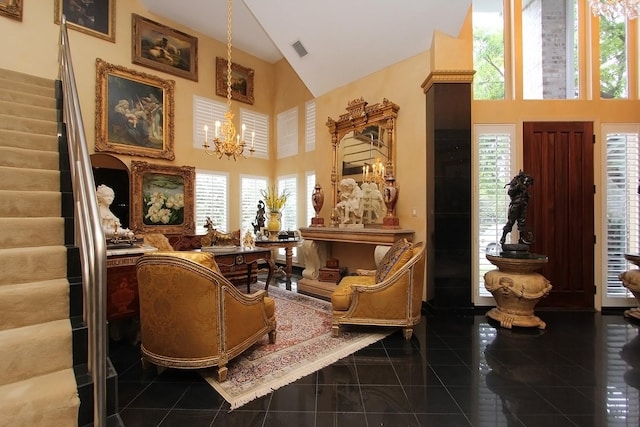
<point x="390" y="198"/>
<point x="317" y="200"/>
<point x="273" y="225"/>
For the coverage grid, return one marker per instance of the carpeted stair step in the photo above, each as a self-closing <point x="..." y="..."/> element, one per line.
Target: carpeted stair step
<point x="47" y="400"/>
<point x="22" y="358"/>
<point x="30" y="204"/>
<point x="20" y="124"/>
<point x="31" y="141"/>
<point x="25" y="158"/>
<point x="24" y="265"/>
<point x="27" y="84"/>
<point x="26" y="232"/>
<point x="17" y="302"/>
<point x="18" y="97"/>
<point x="26" y="111"/>
<point x="23" y="179"/>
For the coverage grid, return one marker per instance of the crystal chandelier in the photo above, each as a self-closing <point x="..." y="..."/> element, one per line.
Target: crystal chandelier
<point x="374" y="173"/>
<point x="226" y="141"/>
<point x="611" y="9"/>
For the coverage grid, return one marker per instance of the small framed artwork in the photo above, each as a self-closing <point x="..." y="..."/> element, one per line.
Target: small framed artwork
<point x="134" y="112"/>
<point x="11" y="9"/>
<point x="162" y="48"/>
<point x="93" y="17"/>
<point x="241" y="81"/>
<point x="162" y="198"/>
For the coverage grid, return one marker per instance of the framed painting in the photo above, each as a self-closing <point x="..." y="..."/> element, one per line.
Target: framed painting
<point x="11" y="9"/>
<point x="93" y="17"/>
<point x="157" y="46"/>
<point x="241" y="81"/>
<point x="162" y="198"/>
<point x="134" y="112"/>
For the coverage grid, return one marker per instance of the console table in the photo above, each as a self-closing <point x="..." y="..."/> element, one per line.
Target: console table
<point x="319" y="242"/>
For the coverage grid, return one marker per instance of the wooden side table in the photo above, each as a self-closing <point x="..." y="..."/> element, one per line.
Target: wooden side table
<point x="288" y="245"/>
<point x="238" y="259"/>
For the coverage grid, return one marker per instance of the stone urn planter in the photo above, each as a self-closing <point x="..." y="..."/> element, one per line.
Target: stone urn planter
<point x="631" y="280"/>
<point x="517" y="288"/>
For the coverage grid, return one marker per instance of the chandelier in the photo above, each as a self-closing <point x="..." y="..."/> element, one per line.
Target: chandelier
<point x="611" y="9"/>
<point x="226" y="141"/>
<point x="374" y="173"/>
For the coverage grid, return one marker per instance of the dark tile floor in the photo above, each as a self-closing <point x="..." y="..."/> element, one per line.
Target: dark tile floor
<point x="457" y="370"/>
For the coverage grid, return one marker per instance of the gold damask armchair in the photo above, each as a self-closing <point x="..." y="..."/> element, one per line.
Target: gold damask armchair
<point x="390" y="296"/>
<point x="191" y="317"/>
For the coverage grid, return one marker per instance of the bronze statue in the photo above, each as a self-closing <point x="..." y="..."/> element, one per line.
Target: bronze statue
<point x="518" y="191"/>
<point x="260" y="219"/>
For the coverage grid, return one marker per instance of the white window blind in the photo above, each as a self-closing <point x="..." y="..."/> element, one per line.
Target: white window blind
<point x="288" y="133"/>
<point x="205" y="113"/>
<point x="211" y="191"/>
<point x="495" y="169"/>
<point x="310" y="126"/>
<point x="250" y="190"/>
<point x="258" y="123"/>
<point x="311" y="183"/>
<point x="289" y="219"/>
<point x="622" y="203"/>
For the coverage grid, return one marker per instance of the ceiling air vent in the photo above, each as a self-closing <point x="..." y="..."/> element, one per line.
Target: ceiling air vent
<point x="299" y="48"/>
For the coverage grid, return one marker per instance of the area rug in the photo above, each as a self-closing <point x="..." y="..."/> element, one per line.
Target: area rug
<point x="303" y="345"/>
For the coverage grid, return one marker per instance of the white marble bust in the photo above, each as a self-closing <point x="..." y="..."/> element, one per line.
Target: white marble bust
<point x="111" y="225"/>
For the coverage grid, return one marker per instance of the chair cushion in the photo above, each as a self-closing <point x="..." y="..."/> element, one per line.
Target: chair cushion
<point x="269" y="307"/>
<point x="203" y="258"/>
<point x="343" y="293"/>
<point x="158" y="240"/>
<point x="395" y="258"/>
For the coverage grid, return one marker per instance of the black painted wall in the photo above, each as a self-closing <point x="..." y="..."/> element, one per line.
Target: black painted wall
<point x="449" y="195"/>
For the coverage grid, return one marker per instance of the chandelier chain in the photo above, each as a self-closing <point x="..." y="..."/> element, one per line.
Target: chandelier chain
<point x="229" y="14"/>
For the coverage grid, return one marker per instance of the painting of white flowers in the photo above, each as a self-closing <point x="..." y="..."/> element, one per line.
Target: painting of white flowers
<point x="162" y="200"/>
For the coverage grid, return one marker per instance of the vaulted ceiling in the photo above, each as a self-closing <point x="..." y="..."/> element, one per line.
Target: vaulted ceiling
<point x="345" y="39"/>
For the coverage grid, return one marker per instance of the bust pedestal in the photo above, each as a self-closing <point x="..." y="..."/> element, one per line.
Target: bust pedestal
<point x="517" y="288"/>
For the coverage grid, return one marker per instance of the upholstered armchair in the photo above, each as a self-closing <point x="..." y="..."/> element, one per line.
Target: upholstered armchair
<point x="191" y="317"/>
<point x="389" y="296"/>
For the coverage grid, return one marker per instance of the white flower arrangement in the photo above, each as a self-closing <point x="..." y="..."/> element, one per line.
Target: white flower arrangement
<point x="161" y="208"/>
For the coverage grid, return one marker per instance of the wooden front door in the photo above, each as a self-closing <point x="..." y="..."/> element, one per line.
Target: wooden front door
<point x="559" y="156"/>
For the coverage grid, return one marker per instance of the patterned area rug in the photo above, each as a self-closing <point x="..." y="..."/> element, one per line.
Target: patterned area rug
<point x="303" y="345"/>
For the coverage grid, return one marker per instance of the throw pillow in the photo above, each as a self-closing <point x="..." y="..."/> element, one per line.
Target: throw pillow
<point x="396" y="257"/>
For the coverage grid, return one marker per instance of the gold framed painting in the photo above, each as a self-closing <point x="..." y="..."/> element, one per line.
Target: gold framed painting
<point x="162" y="48"/>
<point x="162" y="198"/>
<point x="241" y="81"/>
<point x="93" y="17"/>
<point x="11" y="9"/>
<point x="134" y="112"/>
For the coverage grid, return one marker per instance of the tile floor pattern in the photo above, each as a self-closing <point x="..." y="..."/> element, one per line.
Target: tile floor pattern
<point x="457" y="370"/>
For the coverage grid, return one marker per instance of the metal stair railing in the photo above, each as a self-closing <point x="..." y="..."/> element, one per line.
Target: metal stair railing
<point x="89" y="237"/>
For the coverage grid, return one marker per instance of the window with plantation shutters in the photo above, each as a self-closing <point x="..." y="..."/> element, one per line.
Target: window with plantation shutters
<point x="495" y="169"/>
<point x="250" y="193"/>
<point x="289" y="218"/>
<point x="288" y="133"/>
<point x="622" y="205"/>
<point x="310" y="126"/>
<point x="311" y="183"/>
<point x="257" y="134"/>
<point x="205" y="113"/>
<point x="211" y="200"/>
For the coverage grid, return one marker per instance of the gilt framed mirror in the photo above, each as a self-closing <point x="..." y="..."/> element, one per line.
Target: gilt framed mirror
<point x="363" y="147"/>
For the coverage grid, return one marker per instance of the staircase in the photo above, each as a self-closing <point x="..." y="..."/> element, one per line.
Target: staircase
<point x="43" y="340"/>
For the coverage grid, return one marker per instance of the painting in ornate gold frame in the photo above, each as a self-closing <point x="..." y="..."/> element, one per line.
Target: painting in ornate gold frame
<point x="160" y="47"/>
<point x="11" y="9"/>
<point x="241" y="81"/>
<point x="93" y="17"/>
<point x="162" y="198"/>
<point x="134" y="112"/>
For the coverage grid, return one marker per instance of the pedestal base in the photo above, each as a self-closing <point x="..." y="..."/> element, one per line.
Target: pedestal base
<point x="390" y="222"/>
<point x="317" y="222"/>
<point x="508" y="320"/>
<point x="316" y="287"/>
<point x="632" y="313"/>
